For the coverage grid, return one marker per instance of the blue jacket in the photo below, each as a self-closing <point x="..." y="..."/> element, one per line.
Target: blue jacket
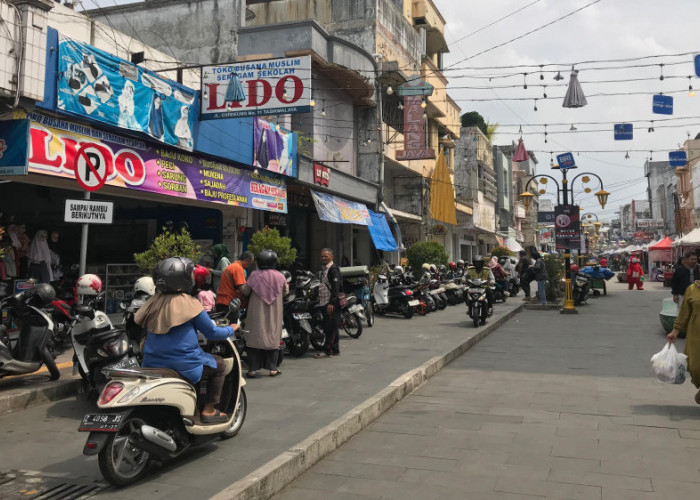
<point x="179" y="350"/>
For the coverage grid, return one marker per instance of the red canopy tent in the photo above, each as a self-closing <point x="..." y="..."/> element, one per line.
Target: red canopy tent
<point x="661" y="252"/>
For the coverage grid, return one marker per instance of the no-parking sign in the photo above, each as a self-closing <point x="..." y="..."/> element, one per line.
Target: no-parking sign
<point x="91" y="167"/>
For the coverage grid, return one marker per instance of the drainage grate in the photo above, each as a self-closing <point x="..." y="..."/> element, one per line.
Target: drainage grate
<point x="41" y="486"/>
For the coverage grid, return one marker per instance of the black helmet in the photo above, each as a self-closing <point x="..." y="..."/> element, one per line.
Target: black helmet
<point x="478" y="262"/>
<point x="266" y="259"/>
<point x="174" y="275"/>
<point x="43" y="294"/>
<point x="287" y="276"/>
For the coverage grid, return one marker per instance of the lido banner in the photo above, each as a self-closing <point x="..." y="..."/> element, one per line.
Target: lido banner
<point x="95" y="158"/>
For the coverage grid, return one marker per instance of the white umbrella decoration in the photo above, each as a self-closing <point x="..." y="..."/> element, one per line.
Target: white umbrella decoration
<point x="574" y="97"/>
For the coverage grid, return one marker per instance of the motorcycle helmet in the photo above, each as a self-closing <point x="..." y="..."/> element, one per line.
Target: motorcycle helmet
<point x="266" y="259"/>
<point x="398" y="270"/>
<point x="443" y="269"/>
<point x="89" y="284"/>
<point x="452" y="265"/>
<point x="145" y="285"/>
<point x="43" y="294"/>
<point x="174" y="275"/>
<point x="426" y="266"/>
<point x="202" y="277"/>
<point x="574" y="268"/>
<point x="478" y="262"/>
<point x="287" y="276"/>
<point x="433" y="268"/>
<point x="460" y="263"/>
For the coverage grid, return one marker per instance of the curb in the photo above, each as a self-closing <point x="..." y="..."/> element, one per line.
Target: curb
<point x="273" y="476"/>
<point x="38" y="395"/>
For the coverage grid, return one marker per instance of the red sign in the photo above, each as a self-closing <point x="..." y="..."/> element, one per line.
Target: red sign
<point x="322" y="175"/>
<point x="414" y="140"/>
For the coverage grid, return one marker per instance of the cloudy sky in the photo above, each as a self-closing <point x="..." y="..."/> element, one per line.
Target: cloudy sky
<point x="609" y="29"/>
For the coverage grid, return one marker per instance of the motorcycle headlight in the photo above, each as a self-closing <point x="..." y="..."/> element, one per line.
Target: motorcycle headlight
<point x="115" y="347"/>
<point x="482" y="298"/>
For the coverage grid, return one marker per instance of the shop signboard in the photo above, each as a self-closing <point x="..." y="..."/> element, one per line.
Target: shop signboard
<point x="133" y="164"/>
<point x="567" y="226"/>
<point x="270" y="87"/>
<point x="97" y="85"/>
<point x="322" y="175"/>
<point x="88" y="211"/>
<point x="339" y="210"/>
<point x="545" y="217"/>
<point x="414" y="140"/>
<point x="14" y="143"/>
<point x="275" y="148"/>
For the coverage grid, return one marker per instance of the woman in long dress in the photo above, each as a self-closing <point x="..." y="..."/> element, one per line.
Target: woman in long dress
<point x="688" y="321"/>
<point x="40" y="258"/>
<point x="266" y="288"/>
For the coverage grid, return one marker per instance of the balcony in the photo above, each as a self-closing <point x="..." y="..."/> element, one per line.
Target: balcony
<point x="425" y="14"/>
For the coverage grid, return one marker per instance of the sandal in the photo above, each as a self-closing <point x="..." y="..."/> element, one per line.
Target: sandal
<point x="251" y="375"/>
<point x="274" y="374"/>
<point x="320" y="355"/>
<point x="216" y="418"/>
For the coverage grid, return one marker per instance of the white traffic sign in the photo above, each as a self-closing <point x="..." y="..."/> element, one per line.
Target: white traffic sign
<point x="90" y="167"/>
<point x="89" y="212"/>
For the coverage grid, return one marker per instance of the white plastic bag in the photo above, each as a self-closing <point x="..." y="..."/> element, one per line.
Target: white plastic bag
<point x="669" y="366"/>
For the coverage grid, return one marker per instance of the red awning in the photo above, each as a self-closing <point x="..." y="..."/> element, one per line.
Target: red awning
<point x="664" y="244"/>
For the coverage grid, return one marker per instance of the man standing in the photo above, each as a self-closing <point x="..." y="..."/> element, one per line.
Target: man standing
<point x="329" y="300"/>
<point x="684" y="276"/>
<point x="232" y="280"/>
<point x="525" y="272"/>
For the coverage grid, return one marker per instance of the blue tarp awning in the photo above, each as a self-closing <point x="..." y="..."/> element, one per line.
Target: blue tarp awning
<point x="380" y="233"/>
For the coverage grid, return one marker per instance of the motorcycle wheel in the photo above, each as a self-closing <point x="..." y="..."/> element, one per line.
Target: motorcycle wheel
<point x="476" y="316"/>
<point x="48" y="360"/>
<point x="239" y="417"/>
<point x="432" y="304"/>
<point x="422" y="308"/>
<point x="120" y="462"/>
<point x="369" y="312"/>
<point x="441" y="303"/>
<point x="352" y="324"/>
<point x="300" y="346"/>
<point x="407" y="311"/>
<point x="317" y="338"/>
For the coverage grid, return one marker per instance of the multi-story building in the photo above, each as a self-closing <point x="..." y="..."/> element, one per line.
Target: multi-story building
<point x="525" y="221"/>
<point x="662" y="191"/>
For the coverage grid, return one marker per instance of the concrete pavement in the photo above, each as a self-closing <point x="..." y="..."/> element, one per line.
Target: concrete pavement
<point x="282" y="411"/>
<point x="547" y="406"/>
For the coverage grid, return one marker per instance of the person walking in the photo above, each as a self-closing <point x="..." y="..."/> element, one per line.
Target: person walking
<point x="524" y="269"/>
<point x="266" y="288"/>
<point x="684" y="276"/>
<point x="221" y="261"/>
<point x="540" y="275"/>
<point x="329" y="300"/>
<point x="634" y="274"/>
<point x="688" y="321"/>
<point x="232" y="280"/>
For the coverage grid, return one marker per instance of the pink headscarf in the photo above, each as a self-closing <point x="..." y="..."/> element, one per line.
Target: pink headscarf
<point x="493" y="262"/>
<point x="267" y="284"/>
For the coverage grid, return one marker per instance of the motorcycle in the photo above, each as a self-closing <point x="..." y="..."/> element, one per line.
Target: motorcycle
<point x="154" y="414"/>
<point x="477" y="304"/>
<point x="582" y="288"/>
<point x="297" y="324"/>
<point x="352" y="314"/>
<point x="237" y="315"/>
<point x="454" y="291"/>
<point x="398" y="299"/>
<point x="500" y="291"/>
<point x="438" y="294"/>
<point x="34" y="344"/>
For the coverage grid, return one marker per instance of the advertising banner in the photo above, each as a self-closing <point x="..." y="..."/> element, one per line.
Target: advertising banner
<point x="270" y="87"/>
<point x="97" y="158"/>
<point x="101" y="86"/>
<point x="14" y="141"/>
<point x="275" y="148"/>
<point x="567" y="227"/>
<point x="334" y="209"/>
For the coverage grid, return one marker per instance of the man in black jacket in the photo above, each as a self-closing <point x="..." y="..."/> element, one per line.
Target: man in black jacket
<point x="684" y="276"/>
<point x="524" y="270"/>
<point x="329" y="299"/>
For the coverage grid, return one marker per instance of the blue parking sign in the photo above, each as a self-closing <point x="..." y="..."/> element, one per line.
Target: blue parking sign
<point x="566" y="161"/>
<point x="624" y="131"/>
<point x="696" y="63"/>
<point x="677" y="158"/>
<point x="662" y="104"/>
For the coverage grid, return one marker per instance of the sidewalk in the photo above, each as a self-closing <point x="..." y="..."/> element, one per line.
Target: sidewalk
<point x="547" y="406"/>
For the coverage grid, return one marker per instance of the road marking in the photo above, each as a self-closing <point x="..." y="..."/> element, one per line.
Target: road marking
<point x="43" y="369"/>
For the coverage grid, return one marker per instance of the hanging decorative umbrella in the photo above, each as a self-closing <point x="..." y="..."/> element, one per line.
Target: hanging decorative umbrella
<point x="234" y="90"/>
<point x="520" y="152"/>
<point x="574" y="97"/>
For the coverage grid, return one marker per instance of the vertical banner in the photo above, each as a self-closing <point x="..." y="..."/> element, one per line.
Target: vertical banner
<point x="95" y="84"/>
<point x="14" y="146"/>
<point x="274" y="148"/>
<point x="567" y="227"/>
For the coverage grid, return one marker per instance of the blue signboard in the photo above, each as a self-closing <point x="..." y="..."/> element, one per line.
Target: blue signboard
<point x="97" y="85"/>
<point x="14" y="144"/>
<point x="677" y="158"/>
<point x="696" y="61"/>
<point x="566" y="161"/>
<point x="624" y="131"/>
<point x="662" y="105"/>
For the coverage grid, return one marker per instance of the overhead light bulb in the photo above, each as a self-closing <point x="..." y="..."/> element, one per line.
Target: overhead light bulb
<point x="691" y="91"/>
<point x="573" y="128"/>
<point x="558" y="76"/>
<point x="423" y="105"/>
<point x="627" y="155"/>
<point x="312" y="103"/>
<point x="400" y="106"/>
<point x="425" y="116"/>
<point x="323" y="113"/>
<point x="389" y="90"/>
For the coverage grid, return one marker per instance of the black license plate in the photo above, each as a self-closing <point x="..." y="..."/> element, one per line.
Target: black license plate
<point x="124" y="363"/>
<point x="102" y="422"/>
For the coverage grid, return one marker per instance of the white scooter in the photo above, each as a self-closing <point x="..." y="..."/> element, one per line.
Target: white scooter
<point x="397" y="299"/>
<point x="154" y="413"/>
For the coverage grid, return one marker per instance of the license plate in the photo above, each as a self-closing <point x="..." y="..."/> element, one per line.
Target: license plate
<point x="413" y="303"/>
<point x="124" y="363"/>
<point x="301" y="315"/>
<point x="356" y="308"/>
<point x="101" y="422"/>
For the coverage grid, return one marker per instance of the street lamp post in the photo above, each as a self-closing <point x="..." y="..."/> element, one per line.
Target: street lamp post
<point x="565" y="191"/>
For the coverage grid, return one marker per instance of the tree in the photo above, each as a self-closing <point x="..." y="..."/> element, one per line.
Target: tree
<point x="426" y="251"/>
<point x="499" y="252"/>
<point x="271" y="239"/>
<point x="166" y="245"/>
<point x="474" y="119"/>
<point x="555" y="272"/>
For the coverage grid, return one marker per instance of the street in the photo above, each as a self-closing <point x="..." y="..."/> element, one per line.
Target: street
<point x="547" y="406"/>
<point x="282" y="411"/>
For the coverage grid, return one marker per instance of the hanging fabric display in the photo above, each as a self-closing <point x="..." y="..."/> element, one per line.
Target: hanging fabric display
<point x="520" y="152"/>
<point x="574" y="97"/>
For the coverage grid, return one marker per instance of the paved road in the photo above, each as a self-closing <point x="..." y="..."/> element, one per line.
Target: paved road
<point x="282" y="411"/>
<point x="547" y="406"/>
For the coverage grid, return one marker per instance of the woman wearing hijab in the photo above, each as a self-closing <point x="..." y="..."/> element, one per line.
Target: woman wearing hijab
<point x="40" y="258"/>
<point x="540" y="275"/>
<point x="172" y="318"/>
<point x="266" y="287"/>
<point x="11" y="257"/>
<point x="155" y="117"/>
<point x="221" y="262"/>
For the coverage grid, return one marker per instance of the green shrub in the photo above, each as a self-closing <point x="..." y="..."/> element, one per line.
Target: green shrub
<point x="166" y="245"/>
<point x="426" y="251"/>
<point x="555" y="270"/>
<point x="501" y="252"/>
<point x="271" y="239"/>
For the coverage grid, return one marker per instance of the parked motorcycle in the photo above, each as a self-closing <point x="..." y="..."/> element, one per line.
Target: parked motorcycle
<point x="34" y="344"/>
<point x="237" y="315"/>
<point x="438" y="294"/>
<point x="454" y="291"/>
<point x="581" y="286"/>
<point x="398" y="299"/>
<point x="154" y="414"/>
<point x="477" y="305"/>
<point x="144" y="289"/>
<point x="352" y="314"/>
<point x="297" y="324"/>
<point x="500" y="292"/>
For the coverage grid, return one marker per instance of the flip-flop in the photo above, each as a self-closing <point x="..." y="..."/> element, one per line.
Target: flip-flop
<point x="276" y="373"/>
<point x="321" y="355"/>
<point x="216" y="418"/>
<point x="251" y="375"/>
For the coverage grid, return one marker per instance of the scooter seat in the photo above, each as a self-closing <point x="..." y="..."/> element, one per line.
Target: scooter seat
<point x="158" y="373"/>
